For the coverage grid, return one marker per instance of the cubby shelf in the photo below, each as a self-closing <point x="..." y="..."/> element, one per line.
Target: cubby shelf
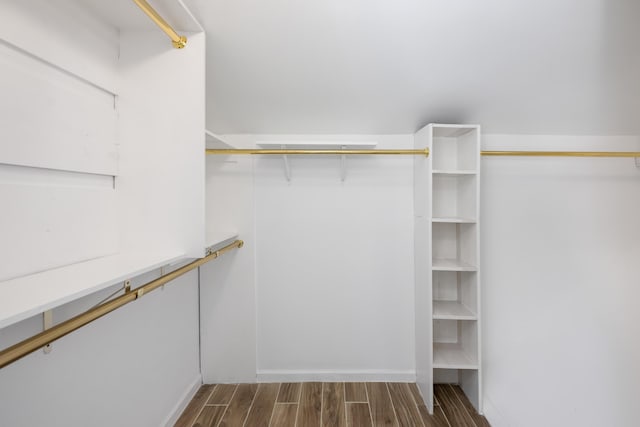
<point x="454" y="173"/>
<point x="452" y="356"/>
<point x="452" y="310"/>
<point x="453" y="220"/>
<point x="452" y="265"/>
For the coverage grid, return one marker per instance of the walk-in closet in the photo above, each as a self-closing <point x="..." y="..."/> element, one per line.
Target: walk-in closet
<point x="322" y="213"/>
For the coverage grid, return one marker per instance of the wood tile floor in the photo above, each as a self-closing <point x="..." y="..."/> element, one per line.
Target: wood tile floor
<point x="326" y="405"/>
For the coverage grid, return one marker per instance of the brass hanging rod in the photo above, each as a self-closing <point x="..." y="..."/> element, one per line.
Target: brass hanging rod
<point x="425" y="152"/>
<point x="563" y="153"/>
<point x="35" y="342"/>
<point x="178" y="41"/>
<point x="283" y="151"/>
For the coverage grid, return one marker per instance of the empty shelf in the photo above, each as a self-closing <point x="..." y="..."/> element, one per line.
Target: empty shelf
<point x="27" y="296"/>
<point x="452" y="265"/>
<point x="452" y="356"/>
<point x="452" y="310"/>
<point x="217" y="238"/>
<point x="454" y="220"/>
<point x="317" y="145"/>
<point x="454" y="173"/>
<point x="215" y="141"/>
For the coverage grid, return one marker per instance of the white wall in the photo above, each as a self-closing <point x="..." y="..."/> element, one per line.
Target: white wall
<point x="560" y="252"/>
<point x="133" y="367"/>
<point x="228" y="303"/>
<point x="334" y="263"/>
<point x="160" y="187"/>
<point x="58" y="151"/>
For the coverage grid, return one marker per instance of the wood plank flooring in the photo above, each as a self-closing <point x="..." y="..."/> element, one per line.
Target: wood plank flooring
<point x="327" y="405"/>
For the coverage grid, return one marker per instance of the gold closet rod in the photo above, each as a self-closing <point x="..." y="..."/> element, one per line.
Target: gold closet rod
<point x="267" y="151"/>
<point x="178" y="41"/>
<point x="425" y="152"/>
<point x="563" y="153"/>
<point x="35" y="342"/>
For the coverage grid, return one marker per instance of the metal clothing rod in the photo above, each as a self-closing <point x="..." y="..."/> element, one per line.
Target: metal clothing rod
<point x="35" y="342"/>
<point x="178" y="41"/>
<point x="424" y="152"/>
<point x="563" y="153"/>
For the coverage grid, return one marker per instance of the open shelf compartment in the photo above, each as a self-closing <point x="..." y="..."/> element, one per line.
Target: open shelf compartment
<point x="455" y="196"/>
<point x="455" y="295"/>
<point x="455" y="344"/>
<point x="455" y="148"/>
<point x="454" y="247"/>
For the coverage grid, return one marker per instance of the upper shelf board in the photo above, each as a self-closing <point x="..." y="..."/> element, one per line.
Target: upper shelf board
<point x="215" y="141"/>
<point x="30" y="295"/>
<point x="215" y="239"/>
<point x="317" y="145"/>
<point x="126" y="15"/>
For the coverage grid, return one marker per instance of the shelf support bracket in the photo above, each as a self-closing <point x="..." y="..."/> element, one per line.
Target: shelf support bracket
<point x="47" y="323"/>
<point x="343" y="165"/>
<point x="287" y="168"/>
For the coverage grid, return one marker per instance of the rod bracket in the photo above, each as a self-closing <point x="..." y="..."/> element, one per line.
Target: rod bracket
<point x="47" y="323"/>
<point x="181" y="43"/>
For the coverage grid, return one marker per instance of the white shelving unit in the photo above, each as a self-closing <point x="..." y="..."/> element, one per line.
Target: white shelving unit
<point x="447" y="260"/>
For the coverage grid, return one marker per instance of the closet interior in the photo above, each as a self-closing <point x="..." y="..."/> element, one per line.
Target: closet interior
<point x="321" y="242"/>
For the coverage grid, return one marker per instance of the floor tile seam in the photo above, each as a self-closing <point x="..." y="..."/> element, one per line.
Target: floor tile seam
<point x="253" y="399"/>
<point x="205" y="404"/>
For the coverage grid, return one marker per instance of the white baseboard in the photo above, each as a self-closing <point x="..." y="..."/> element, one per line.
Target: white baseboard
<point x="491" y="413"/>
<point x="338" y="376"/>
<point x="242" y="379"/>
<point x="176" y="411"/>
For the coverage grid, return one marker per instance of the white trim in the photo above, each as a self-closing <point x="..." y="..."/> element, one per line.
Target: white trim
<point x="284" y="375"/>
<point x="179" y="407"/>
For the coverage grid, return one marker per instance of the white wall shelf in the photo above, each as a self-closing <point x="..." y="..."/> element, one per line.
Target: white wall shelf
<point x="215" y="141"/>
<point x="317" y="145"/>
<point x="30" y="295"/>
<point x="452" y="356"/>
<point x="216" y="239"/>
<point x="452" y="310"/>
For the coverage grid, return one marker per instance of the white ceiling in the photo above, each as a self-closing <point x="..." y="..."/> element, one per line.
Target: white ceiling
<point x="390" y="66"/>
